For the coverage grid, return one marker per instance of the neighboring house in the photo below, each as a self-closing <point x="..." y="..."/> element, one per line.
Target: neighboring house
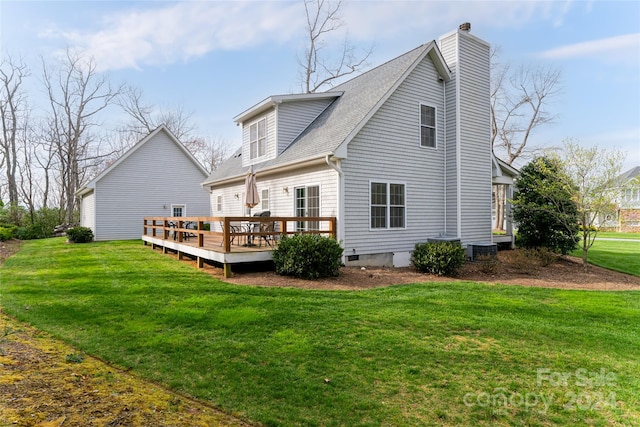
<point x="629" y="206"/>
<point x="156" y="177"/>
<point x="399" y="154"/>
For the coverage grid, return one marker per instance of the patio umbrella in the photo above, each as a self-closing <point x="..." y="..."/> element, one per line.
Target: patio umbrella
<point x="251" y="197"/>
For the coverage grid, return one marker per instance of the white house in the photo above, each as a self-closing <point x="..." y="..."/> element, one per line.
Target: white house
<point x="156" y="177"/>
<point x="398" y="154"/>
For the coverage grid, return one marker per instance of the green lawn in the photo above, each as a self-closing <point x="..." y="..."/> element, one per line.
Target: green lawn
<point x="614" y="235"/>
<point x="423" y="354"/>
<point x="616" y="255"/>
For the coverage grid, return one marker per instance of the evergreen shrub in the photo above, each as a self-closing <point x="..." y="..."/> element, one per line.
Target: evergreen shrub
<point x="308" y="256"/>
<point x="439" y="258"/>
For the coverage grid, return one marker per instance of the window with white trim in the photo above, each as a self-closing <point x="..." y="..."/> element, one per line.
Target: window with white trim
<point x="258" y="139"/>
<point x="427" y="126"/>
<point x="388" y="209"/>
<point x="179" y="210"/>
<point x="219" y="203"/>
<point x="264" y="199"/>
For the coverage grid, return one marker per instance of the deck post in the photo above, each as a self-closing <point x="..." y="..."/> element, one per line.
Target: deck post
<point x="333" y="226"/>
<point x="226" y="268"/>
<point x="226" y="233"/>
<point x="200" y="261"/>
<point x="200" y="234"/>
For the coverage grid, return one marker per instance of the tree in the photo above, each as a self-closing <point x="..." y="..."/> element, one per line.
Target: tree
<point x="594" y="173"/>
<point x="544" y="208"/>
<point x="13" y="113"/>
<point x="210" y="152"/>
<point x="146" y="117"/>
<point x="317" y="70"/>
<point x="520" y="102"/>
<point x="77" y="94"/>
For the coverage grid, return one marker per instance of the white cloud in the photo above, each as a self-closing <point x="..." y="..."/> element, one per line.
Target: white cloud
<point x="163" y="34"/>
<point x="183" y="31"/>
<point x="623" y="48"/>
<point x="370" y="19"/>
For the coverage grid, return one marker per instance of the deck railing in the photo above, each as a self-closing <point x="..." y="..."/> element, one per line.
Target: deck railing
<point x="269" y="228"/>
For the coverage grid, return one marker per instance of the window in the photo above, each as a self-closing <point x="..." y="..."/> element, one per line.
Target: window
<point x="258" y="139"/>
<point x="219" y="203"/>
<point x="178" y="210"/>
<point x="427" y="126"/>
<point x="387" y="205"/>
<point x="264" y="200"/>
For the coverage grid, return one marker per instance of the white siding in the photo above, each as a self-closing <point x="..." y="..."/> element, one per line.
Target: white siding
<point x="281" y="202"/>
<point x="470" y="68"/>
<point x="294" y="117"/>
<point x="388" y="149"/>
<point x="155" y="176"/>
<point x="88" y="211"/>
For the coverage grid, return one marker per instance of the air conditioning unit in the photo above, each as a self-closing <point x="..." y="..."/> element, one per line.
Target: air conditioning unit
<point x="475" y="250"/>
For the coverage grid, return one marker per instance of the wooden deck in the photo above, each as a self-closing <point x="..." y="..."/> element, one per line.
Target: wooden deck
<point x="228" y="240"/>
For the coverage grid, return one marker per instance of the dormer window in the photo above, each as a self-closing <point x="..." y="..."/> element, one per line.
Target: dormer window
<point x="258" y="139"/>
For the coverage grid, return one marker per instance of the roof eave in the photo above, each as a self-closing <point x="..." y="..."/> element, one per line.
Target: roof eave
<point x="283" y="167"/>
<point x="274" y="100"/>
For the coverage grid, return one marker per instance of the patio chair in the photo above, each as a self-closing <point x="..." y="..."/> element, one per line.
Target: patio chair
<point x="267" y="227"/>
<point x="235" y="227"/>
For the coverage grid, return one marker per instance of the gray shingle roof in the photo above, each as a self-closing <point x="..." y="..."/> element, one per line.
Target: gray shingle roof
<point x="334" y="126"/>
<point x="630" y="174"/>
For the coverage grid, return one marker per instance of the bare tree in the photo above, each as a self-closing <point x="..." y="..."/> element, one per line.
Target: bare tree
<point x="316" y="69"/>
<point x="210" y="152"/>
<point x="13" y="112"/>
<point x="77" y="94"/>
<point x="146" y="117"/>
<point x="520" y="101"/>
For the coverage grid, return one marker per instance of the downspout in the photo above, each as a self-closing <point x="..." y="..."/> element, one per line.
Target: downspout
<point x="339" y="199"/>
<point x="444" y="118"/>
<point x="458" y="142"/>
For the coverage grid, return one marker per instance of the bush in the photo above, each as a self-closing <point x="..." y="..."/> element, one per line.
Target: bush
<point x="80" y="234"/>
<point x="439" y="258"/>
<point x="489" y="264"/>
<point x="27" y="233"/>
<point x="308" y="256"/>
<point x="546" y="256"/>
<point x="6" y="232"/>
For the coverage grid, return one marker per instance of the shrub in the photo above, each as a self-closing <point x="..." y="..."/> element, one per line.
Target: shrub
<point x="546" y="256"/>
<point x="308" y="256"/>
<point x="440" y="258"/>
<point x="80" y="234"/>
<point x="27" y="233"/>
<point x="6" y="233"/>
<point x="489" y="264"/>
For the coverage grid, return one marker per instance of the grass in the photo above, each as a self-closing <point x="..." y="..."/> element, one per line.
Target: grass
<point x="615" y="235"/>
<point x="618" y="255"/>
<point x="424" y="354"/>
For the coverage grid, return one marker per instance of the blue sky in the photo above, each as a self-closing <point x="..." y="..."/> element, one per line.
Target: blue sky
<point x="217" y="58"/>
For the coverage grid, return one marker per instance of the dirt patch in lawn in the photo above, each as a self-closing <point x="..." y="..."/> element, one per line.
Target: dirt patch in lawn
<point x="46" y="383"/>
